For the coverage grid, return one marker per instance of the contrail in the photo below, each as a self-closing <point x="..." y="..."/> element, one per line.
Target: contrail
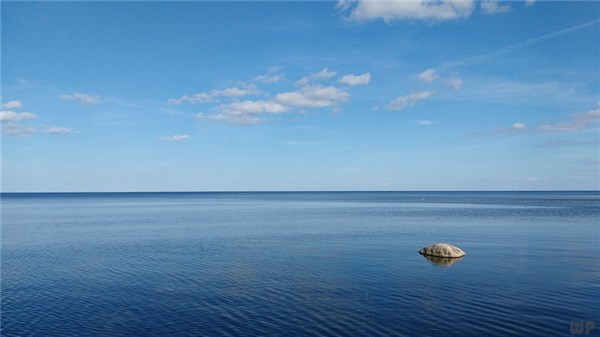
<point x="526" y="43"/>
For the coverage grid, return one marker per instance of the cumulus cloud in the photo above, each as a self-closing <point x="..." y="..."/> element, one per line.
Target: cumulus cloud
<point x="366" y="10"/>
<point x="428" y="76"/>
<point x="19" y="130"/>
<point x="211" y="96"/>
<point x="321" y="75"/>
<point x="408" y="100"/>
<point x="59" y="130"/>
<point x="11" y="116"/>
<point x="244" y="113"/>
<point x="81" y="98"/>
<point x="174" y="138"/>
<point x="353" y="80"/>
<point x="313" y="97"/>
<point x="12" y="105"/>
<point x="493" y="7"/>
<point x="578" y="121"/>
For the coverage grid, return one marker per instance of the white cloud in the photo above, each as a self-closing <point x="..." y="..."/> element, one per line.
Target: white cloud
<point x="232" y="118"/>
<point x="244" y="113"/>
<point x="11" y="116"/>
<point x="352" y="79"/>
<point x="399" y="10"/>
<point x="268" y="78"/>
<point x="19" y="130"/>
<point x="12" y="105"/>
<point x="59" y="130"/>
<point x="253" y="107"/>
<point x="313" y="97"/>
<point x="205" y="97"/>
<point x="493" y="7"/>
<point x="408" y="100"/>
<point x="428" y="76"/>
<point x="454" y="82"/>
<point x="425" y="122"/>
<point x="321" y="75"/>
<point x="529" y="3"/>
<point x="81" y="98"/>
<point x="578" y="121"/>
<point x="174" y="138"/>
<point x="518" y="126"/>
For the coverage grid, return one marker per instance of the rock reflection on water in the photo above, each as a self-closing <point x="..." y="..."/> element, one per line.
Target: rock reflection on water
<point x="443" y="261"/>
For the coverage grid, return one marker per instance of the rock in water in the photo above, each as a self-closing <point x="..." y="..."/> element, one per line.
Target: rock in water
<point x="442" y="250"/>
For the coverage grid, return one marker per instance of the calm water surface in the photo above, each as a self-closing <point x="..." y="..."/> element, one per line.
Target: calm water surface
<point x="336" y="264"/>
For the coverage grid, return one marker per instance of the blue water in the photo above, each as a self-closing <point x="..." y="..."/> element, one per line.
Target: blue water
<point x="336" y="264"/>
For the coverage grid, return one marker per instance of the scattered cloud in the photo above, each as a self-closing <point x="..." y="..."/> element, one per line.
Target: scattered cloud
<point x="353" y="80"/>
<point x="313" y="97"/>
<point x="454" y="82"/>
<point x="408" y="100"/>
<point x="18" y="130"/>
<point x="493" y="7"/>
<point x="529" y="3"/>
<point x="428" y="76"/>
<point x="211" y="96"/>
<point x="12" y="105"/>
<point x="388" y="11"/>
<point x="518" y="126"/>
<point x="253" y="107"/>
<point x="11" y="116"/>
<point x="321" y="75"/>
<point x="567" y="143"/>
<point x="268" y="78"/>
<point x="425" y="122"/>
<point x="578" y="121"/>
<point x="59" y="130"/>
<point x="81" y="98"/>
<point x="232" y="118"/>
<point x="174" y="138"/>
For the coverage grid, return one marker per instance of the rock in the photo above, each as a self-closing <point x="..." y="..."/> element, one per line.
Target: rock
<point x="442" y="261"/>
<point x="442" y="250"/>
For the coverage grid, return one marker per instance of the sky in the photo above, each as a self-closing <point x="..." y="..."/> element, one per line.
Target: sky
<point x="300" y="96"/>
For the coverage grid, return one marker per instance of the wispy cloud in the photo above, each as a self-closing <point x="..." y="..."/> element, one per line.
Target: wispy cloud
<point x="408" y="100"/>
<point x="211" y="96"/>
<point x="493" y="7"/>
<point x="12" y="105"/>
<point x="81" y="98"/>
<point x="577" y="121"/>
<point x="321" y="75"/>
<point x="174" y="138"/>
<point x="425" y="122"/>
<point x="59" y="130"/>
<point x="366" y="10"/>
<point x="428" y="76"/>
<point x="11" y="116"/>
<point x="529" y="3"/>
<point x="529" y="42"/>
<point x="567" y="143"/>
<point x="18" y="130"/>
<point x="353" y="80"/>
<point x="455" y="82"/>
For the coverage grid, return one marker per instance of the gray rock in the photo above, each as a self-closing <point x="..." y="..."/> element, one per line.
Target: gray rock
<point x="442" y="250"/>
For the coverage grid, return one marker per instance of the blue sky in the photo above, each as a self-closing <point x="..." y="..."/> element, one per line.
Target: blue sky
<point x="353" y="95"/>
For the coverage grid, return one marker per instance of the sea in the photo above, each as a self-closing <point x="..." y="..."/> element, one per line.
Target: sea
<point x="299" y="264"/>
